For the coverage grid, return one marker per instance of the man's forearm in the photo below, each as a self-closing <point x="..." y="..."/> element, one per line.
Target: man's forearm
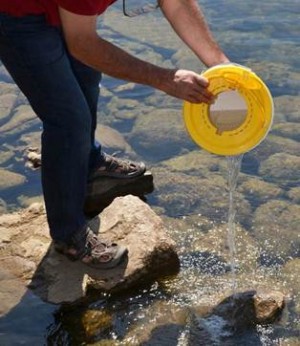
<point x="86" y="45"/>
<point x="187" y="20"/>
<point x="118" y="63"/>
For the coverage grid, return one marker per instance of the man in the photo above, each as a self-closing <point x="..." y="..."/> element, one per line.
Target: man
<point x="56" y="57"/>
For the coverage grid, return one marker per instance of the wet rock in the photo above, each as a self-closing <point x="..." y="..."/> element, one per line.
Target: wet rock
<point x="11" y="292"/>
<point x="123" y="109"/>
<point x="148" y="136"/>
<point x="30" y="140"/>
<point x="294" y="194"/>
<point x="96" y="322"/>
<point x="276" y="228"/>
<point x="7" y="102"/>
<point x="293" y="341"/>
<point x="281" y="168"/>
<point x="26" y="201"/>
<point x="258" y="191"/>
<point x="112" y="139"/>
<point x="272" y="145"/>
<point x="246" y="309"/>
<point x="4" y="75"/>
<point x="198" y="162"/>
<point x="127" y="220"/>
<point x="10" y="179"/>
<point x="289" y="130"/>
<point x="226" y="323"/>
<point x="182" y="194"/>
<point x="288" y="106"/>
<point x="34" y="158"/>
<point x="22" y="119"/>
<point x="6" y="153"/>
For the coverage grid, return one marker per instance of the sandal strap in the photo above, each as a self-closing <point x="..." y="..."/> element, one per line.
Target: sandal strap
<point x="118" y="168"/>
<point x="99" y="250"/>
<point x="122" y="166"/>
<point x="88" y="248"/>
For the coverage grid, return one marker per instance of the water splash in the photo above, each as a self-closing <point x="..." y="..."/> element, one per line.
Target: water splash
<point x="234" y="167"/>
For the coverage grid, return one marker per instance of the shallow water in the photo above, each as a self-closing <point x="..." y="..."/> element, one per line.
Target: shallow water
<point x="265" y="37"/>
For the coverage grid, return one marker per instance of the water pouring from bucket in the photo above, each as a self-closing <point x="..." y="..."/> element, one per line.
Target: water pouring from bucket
<point x="238" y="121"/>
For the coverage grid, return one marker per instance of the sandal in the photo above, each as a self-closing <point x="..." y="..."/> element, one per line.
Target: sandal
<point x="117" y="168"/>
<point x="90" y="250"/>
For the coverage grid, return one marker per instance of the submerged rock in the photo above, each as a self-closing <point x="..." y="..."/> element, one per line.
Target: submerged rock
<point x="272" y="145"/>
<point x="258" y="191"/>
<point x="276" y="228"/>
<point x="225" y="323"/>
<point x="55" y="279"/>
<point x="10" y="179"/>
<point x="182" y="194"/>
<point x="294" y="194"/>
<point x="289" y="130"/>
<point x="281" y="168"/>
<point x="149" y="138"/>
<point x="247" y="309"/>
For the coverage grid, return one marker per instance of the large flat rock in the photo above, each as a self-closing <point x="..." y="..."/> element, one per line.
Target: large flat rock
<point x="26" y="251"/>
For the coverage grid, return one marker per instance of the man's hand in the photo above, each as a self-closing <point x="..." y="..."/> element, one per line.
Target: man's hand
<point x="189" y="86"/>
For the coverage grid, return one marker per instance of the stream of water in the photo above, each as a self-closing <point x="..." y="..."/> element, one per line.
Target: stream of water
<point x="234" y="167"/>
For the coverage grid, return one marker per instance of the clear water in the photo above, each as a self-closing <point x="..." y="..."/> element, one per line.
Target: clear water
<point x="234" y="167"/>
<point x="263" y="36"/>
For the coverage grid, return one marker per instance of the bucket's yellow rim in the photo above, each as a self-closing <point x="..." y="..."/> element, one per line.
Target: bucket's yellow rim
<point x="258" y="119"/>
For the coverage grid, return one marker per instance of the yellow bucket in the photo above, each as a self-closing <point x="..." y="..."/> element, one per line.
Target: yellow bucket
<point x="241" y="116"/>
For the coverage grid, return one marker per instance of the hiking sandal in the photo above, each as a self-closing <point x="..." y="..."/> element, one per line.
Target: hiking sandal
<point x="90" y="250"/>
<point x="117" y="168"/>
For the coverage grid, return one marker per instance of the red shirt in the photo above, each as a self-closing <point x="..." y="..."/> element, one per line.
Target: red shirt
<point x="50" y="7"/>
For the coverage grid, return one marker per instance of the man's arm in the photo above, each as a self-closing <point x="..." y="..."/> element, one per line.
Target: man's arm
<point x="187" y="20"/>
<point x="87" y="46"/>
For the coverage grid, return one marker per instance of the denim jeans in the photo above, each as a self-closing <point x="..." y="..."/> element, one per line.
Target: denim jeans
<point x="63" y="93"/>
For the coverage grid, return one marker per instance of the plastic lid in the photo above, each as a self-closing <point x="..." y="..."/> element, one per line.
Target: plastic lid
<point x="241" y="116"/>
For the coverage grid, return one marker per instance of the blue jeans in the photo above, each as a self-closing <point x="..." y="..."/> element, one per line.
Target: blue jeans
<point x="63" y="93"/>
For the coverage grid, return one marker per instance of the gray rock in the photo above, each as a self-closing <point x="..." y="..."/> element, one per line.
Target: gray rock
<point x="276" y="228"/>
<point x="294" y="194"/>
<point x="273" y="145"/>
<point x="10" y="179"/>
<point x="258" y="191"/>
<point x="112" y="139"/>
<point x="182" y="194"/>
<point x="281" y="168"/>
<point x="127" y="220"/>
<point x="7" y="102"/>
<point x="157" y="130"/>
<point x="23" y="118"/>
<point x="288" y="106"/>
<point x="288" y="129"/>
<point x="225" y="323"/>
<point x="247" y="309"/>
<point x="198" y="162"/>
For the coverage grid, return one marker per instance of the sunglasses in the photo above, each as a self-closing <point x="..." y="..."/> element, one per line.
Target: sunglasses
<point x="139" y="10"/>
